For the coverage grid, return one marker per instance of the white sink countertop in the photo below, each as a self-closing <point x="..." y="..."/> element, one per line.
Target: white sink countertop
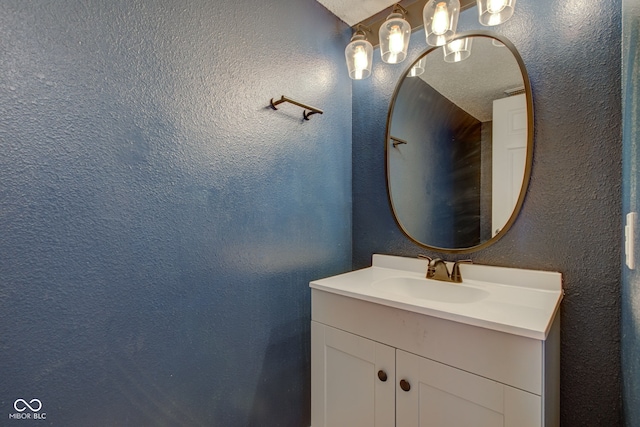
<point x="516" y="301"/>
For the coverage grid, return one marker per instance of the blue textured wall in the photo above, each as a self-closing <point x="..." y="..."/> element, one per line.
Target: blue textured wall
<point x="159" y="224"/>
<point x="570" y="221"/>
<point x="631" y="203"/>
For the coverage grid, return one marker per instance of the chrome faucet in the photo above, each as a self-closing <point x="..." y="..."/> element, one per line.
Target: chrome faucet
<point x="437" y="270"/>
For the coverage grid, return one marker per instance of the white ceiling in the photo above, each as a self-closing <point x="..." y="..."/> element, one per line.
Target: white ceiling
<point x="354" y="11"/>
<point x="474" y="83"/>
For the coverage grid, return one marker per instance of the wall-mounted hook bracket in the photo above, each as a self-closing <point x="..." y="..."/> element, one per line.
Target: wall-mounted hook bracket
<point x="305" y="114"/>
<point x="397" y="141"/>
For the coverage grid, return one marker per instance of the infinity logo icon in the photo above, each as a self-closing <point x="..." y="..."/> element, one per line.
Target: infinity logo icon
<point x="21" y="405"/>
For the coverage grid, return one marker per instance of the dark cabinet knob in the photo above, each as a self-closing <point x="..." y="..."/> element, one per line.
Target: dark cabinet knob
<point x="404" y="384"/>
<point x="382" y="375"/>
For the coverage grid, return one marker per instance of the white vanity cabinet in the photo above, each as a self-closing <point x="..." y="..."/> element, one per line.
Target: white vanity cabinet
<point x="360" y="382"/>
<point x="376" y="364"/>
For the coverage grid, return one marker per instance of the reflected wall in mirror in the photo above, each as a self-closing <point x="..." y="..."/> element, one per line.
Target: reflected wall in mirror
<point x="459" y="143"/>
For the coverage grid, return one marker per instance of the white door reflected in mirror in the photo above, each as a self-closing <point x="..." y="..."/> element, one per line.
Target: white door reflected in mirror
<point x="508" y="157"/>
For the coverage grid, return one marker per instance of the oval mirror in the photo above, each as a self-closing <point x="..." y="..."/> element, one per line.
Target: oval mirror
<point x="459" y="143"/>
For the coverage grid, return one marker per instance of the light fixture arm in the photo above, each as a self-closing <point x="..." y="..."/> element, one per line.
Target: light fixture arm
<point x="397" y="8"/>
<point x="360" y="30"/>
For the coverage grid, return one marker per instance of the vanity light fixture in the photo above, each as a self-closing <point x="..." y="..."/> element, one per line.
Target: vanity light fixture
<point x="394" y="36"/>
<point x="494" y="12"/>
<point x="359" y="55"/>
<point x="440" y="19"/>
<point x="457" y="50"/>
<point x="418" y="69"/>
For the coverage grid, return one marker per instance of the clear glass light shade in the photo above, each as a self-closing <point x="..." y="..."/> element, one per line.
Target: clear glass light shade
<point x="418" y="68"/>
<point x="440" y="21"/>
<point x="494" y="12"/>
<point x="457" y="50"/>
<point x="359" y="56"/>
<point x="394" y="39"/>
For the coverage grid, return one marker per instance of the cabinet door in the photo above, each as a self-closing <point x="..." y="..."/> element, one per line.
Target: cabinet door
<point x="442" y="396"/>
<point x="346" y="387"/>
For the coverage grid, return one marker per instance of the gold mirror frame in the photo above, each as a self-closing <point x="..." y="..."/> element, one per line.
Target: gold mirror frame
<point x="529" y="150"/>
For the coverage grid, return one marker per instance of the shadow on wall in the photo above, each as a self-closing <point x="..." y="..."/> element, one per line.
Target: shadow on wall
<point x="281" y="397"/>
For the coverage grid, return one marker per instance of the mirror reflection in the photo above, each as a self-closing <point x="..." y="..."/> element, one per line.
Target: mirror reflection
<point x="459" y="143"/>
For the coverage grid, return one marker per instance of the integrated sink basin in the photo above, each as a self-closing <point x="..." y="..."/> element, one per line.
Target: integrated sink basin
<point x="432" y="290"/>
<point x="516" y="301"/>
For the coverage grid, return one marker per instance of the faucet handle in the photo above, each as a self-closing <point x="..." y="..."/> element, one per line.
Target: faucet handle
<point x="422" y="256"/>
<point x="455" y="271"/>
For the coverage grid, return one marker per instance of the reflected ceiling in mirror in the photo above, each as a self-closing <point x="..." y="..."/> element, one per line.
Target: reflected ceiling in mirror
<point x="459" y="144"/>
